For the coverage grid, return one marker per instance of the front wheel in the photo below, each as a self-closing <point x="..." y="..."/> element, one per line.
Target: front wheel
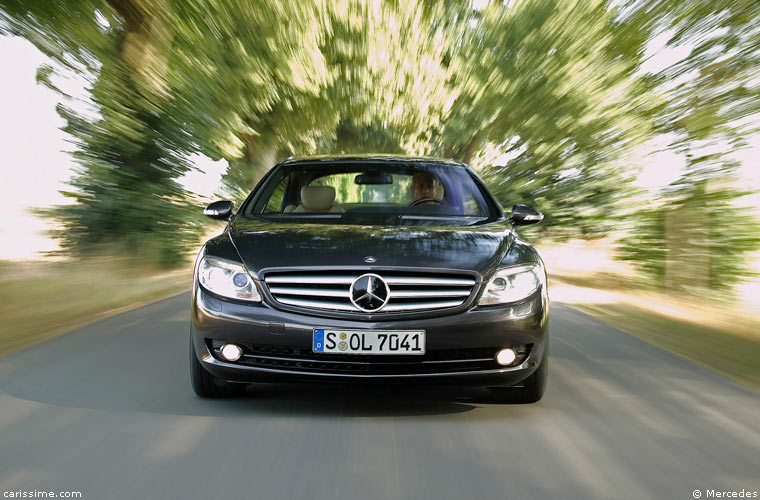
<point x="206" y="385"/>
<point x="532" y="388"/>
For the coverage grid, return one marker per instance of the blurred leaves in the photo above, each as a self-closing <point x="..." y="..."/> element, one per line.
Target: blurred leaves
<point x="698" y="236"/>
<point x="697" y="240"/>
<point x="551" y="99"/>
<point x="131" y="155"/>
<point x="551" y="85"/>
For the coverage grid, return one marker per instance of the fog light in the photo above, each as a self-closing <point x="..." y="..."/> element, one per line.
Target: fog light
<point x="231" y="352"/>
<point x="506" y="357"/>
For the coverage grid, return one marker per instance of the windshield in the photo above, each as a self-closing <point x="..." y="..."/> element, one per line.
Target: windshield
<point x="372" y="193"/>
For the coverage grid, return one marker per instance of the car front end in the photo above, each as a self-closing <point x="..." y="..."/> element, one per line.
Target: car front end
<point x="277" y="299"/>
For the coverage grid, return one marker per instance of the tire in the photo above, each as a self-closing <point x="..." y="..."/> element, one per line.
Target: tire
<point x="206" y="385"/>
<point x="532" y="388"/>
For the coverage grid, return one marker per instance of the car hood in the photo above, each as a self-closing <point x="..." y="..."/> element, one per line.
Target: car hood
<point x="270" y="244"/>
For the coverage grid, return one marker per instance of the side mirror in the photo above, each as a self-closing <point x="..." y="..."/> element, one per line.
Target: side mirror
<point x="523" y="215"/>
<point x="221" y="210"/>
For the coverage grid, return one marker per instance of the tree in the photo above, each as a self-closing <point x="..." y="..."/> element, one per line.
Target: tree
<point x="125" y="189"/>
<point x="550" y="84"/>
<point x="695" y="240"/>
<point x="698" y="237"/>
<point x="556" y="86"/>
<point x="347" y="77"/>
<point x="249" y="78"/>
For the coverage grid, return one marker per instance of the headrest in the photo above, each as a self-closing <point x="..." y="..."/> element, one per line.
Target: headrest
<point x="317" y="198"/>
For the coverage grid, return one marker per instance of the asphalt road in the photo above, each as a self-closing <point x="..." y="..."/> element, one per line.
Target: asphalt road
<point x="108" y="411"/>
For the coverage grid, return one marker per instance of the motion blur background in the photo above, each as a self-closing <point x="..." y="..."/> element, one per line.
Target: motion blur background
<point x="632" y="124"/>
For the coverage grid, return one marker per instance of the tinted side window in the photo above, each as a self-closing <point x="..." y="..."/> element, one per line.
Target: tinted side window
<point x="274" y="205"/>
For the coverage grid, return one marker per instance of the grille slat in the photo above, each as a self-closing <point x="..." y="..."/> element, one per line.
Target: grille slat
<point x="318" y="304"/>
<point x="282" y="290"/>
<point x="408" y="290"/>
<point x="319" y="279"/>
<point x="422" y="305"/>
<point x="395" y="280"/>
<point x="412" y="294"/>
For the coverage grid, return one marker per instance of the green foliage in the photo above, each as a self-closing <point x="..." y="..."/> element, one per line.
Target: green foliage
<point x="557" y="86"/>
<point x="132" y="153"/>
<point x="696" y="241"/>
<point x="698" y="238"/>
<point x="550" y="84"/>
<point x="715" y="87"/>
<point x="249" y="79"/>
<point x="349" y="77"/>
<point x="646" y="245"/>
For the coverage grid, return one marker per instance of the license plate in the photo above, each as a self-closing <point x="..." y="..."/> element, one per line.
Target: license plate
<point x="332" y="341"/>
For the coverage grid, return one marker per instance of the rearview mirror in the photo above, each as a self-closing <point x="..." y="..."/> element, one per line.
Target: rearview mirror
<point x="523" y="215"/>
<point x="374" y="178"/>
<point x="221" y="210"/>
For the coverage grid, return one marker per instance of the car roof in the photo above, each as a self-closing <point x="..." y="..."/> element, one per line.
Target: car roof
<point x="369" y="158"/>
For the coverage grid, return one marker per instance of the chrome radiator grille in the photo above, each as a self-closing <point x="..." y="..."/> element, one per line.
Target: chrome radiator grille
<point x="407" y="291"/>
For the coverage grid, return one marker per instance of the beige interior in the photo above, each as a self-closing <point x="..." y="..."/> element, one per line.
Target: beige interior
<point x="317" y="199"/>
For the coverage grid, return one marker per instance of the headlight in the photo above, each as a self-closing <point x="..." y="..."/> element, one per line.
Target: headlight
<point x="228" y="279"/>
<point x="510" y="284"/>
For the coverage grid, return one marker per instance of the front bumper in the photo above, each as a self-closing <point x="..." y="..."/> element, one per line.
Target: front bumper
<point x="459" y="347"/>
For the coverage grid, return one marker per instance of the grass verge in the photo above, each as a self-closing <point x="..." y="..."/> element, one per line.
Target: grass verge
<point x="726" y="341"/>
<point x="40" y="300"/>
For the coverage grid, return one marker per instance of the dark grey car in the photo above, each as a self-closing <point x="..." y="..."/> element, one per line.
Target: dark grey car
<point x="370" y="269"/>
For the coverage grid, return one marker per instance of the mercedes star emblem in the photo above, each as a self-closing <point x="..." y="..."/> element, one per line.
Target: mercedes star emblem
<point x="369" y="293"/>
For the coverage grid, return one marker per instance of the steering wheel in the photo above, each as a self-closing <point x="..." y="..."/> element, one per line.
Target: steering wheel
<point x="424" y="200"/>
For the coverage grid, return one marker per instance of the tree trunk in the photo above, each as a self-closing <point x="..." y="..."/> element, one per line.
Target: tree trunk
<point x="687" y="242"/>
<point x="144" y="46"/>
<point x="468" y="152"/>
<point x="259" y="156"/>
